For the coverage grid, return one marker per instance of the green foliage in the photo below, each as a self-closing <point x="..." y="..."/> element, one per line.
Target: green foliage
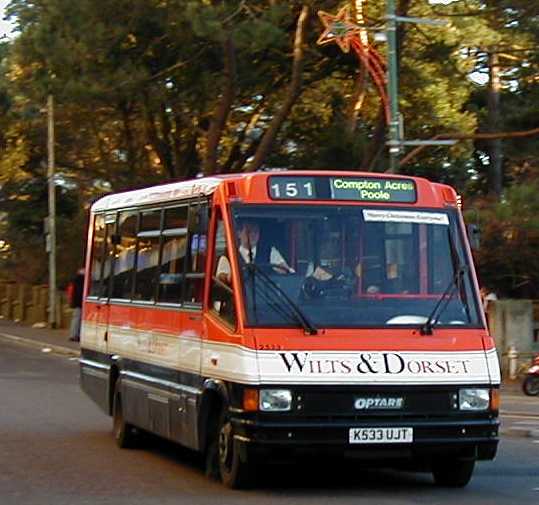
<point x="508" y="260"/>
<point x="137" y="84"/>
<point x="25" y="205"/>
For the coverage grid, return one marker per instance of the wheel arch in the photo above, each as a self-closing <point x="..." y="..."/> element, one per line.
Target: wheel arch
<point x="214" y="399"/>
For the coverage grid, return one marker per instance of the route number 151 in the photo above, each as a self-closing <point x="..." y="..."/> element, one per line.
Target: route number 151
<point x="292" y="188"/>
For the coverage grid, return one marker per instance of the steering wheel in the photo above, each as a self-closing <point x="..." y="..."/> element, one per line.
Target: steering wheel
<point x="340" y="286"/>
<point x="312" y="288"/>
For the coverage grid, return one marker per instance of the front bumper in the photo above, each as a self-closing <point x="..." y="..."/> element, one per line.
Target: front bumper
<point x="477" y="438"/>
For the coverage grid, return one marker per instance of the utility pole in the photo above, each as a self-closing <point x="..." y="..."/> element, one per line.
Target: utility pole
<point x="51" y="221"/>
<point x="396" y="135"/>
<point x="393" y="86"/>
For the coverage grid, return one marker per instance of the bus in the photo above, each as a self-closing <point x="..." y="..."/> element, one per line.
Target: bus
<point x="288" y="314"/>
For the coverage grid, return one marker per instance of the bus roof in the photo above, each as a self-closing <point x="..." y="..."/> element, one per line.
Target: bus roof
<point x="206" y="186"/>
<point x="158" y="194"/>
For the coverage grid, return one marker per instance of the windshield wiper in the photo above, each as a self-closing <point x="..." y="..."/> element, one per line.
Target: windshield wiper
<point x="309" y="328"/>
<point x="434" y="316"/>
<point x="454" y="285"/>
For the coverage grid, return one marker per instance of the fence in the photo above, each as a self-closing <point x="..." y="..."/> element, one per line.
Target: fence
<point x="514" y="325"/>
<point x="29" y="304"/>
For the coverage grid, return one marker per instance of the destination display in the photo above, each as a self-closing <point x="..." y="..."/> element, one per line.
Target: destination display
<point x="360" y="189"/>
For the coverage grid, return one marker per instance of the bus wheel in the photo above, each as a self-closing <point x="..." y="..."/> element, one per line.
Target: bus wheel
<point x="124" y="433"/>
<point x="234" y="471"/>
<point x="453" y="472"/>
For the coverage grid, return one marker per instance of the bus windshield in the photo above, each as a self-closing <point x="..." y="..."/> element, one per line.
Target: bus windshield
<point x="353" y="266"/>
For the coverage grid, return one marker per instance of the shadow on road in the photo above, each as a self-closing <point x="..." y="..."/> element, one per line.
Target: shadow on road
<point x="338" y="476"/>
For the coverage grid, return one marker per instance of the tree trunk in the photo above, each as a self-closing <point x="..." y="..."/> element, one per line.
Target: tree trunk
<point x="294" y="90"/>
<point x="495" y="173"/>
<point x="131" y="155"/>
<point x="235" y="154"/>
<point x="218" y="121"/>
<point x="190" y="166"/>
<point x="377" y="143"/>
<point x="161" y="148"/>
<point x="167" y="143"/>
<point x="356" y="101"/>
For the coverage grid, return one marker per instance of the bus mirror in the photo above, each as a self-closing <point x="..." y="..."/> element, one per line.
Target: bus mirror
<point x="474" y="236"/>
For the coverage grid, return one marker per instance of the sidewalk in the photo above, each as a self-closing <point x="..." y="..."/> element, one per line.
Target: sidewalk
<point x="41" y="338"/>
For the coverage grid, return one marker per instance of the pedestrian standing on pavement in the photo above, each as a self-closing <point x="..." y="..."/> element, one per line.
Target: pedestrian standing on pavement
<point x="75" y="289"/>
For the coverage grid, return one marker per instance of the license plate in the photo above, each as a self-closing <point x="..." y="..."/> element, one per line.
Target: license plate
<point x="381" y="435"/>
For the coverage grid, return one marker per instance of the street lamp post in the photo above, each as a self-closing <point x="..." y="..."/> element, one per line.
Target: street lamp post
<point x="346" y="33"/>
<point x="396" y="136"/>
<point x="51" y="221"/>
<point x="393" y="86"/>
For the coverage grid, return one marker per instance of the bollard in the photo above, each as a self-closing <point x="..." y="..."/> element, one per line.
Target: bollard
<point x="512" y="356"/>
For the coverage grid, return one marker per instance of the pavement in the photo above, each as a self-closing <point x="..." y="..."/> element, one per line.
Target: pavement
<point x="47" y="340"/>
<point x="519" y="413"/>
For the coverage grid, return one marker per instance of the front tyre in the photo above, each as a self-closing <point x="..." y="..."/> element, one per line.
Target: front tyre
<point x="453" y="472"/>
<point x="124" y="433"/>
<point x="530" y="386"/>
<point x="233" y="464"/>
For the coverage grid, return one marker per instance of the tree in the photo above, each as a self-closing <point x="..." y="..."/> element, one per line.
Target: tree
<point x="149" y="91"/>
<point x="507" y="260"/>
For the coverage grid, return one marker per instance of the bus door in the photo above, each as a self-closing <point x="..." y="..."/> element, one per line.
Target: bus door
<point x="222" y="316"/>
<point x="102" y="306"/>
<point x="95" y="305"/>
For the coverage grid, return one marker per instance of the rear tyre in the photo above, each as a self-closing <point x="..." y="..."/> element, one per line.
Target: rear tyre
<point x="530" y="386"/>
<point x="124" y="433"/>
<point x="453" y="472"/>
<point x="234" y="468"/>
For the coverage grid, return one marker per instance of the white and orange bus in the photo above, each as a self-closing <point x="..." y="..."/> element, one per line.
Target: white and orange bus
<point x="289" y="313"/>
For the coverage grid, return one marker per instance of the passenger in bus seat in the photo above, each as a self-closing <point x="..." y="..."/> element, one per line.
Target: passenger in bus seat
<point x="223" y="271"/>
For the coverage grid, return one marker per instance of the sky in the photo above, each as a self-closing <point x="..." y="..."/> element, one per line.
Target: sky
<point x="4" y="25"/>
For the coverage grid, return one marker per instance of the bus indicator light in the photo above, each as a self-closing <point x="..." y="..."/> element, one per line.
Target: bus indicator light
<point x="250" y="400"/>
<point x="495" y="399"/>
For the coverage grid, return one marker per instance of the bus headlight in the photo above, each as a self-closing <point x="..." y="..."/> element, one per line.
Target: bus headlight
<point x="275" y="400"/>
<point x="474" y="399"/>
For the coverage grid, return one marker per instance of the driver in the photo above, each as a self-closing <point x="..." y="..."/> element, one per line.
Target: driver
<point x="251" y="251"/>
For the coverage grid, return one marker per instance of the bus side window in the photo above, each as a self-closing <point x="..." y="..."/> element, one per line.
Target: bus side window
<point x="222" y="294"/>
<point x="147" y="262"/>
<point x="173" y="255"/>
<point x="124" y="264"/>
<point x="196" y="255"/>
<point x="98" y="251"/>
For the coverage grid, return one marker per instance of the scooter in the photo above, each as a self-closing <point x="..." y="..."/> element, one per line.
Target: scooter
<point x="530" y="386"/>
